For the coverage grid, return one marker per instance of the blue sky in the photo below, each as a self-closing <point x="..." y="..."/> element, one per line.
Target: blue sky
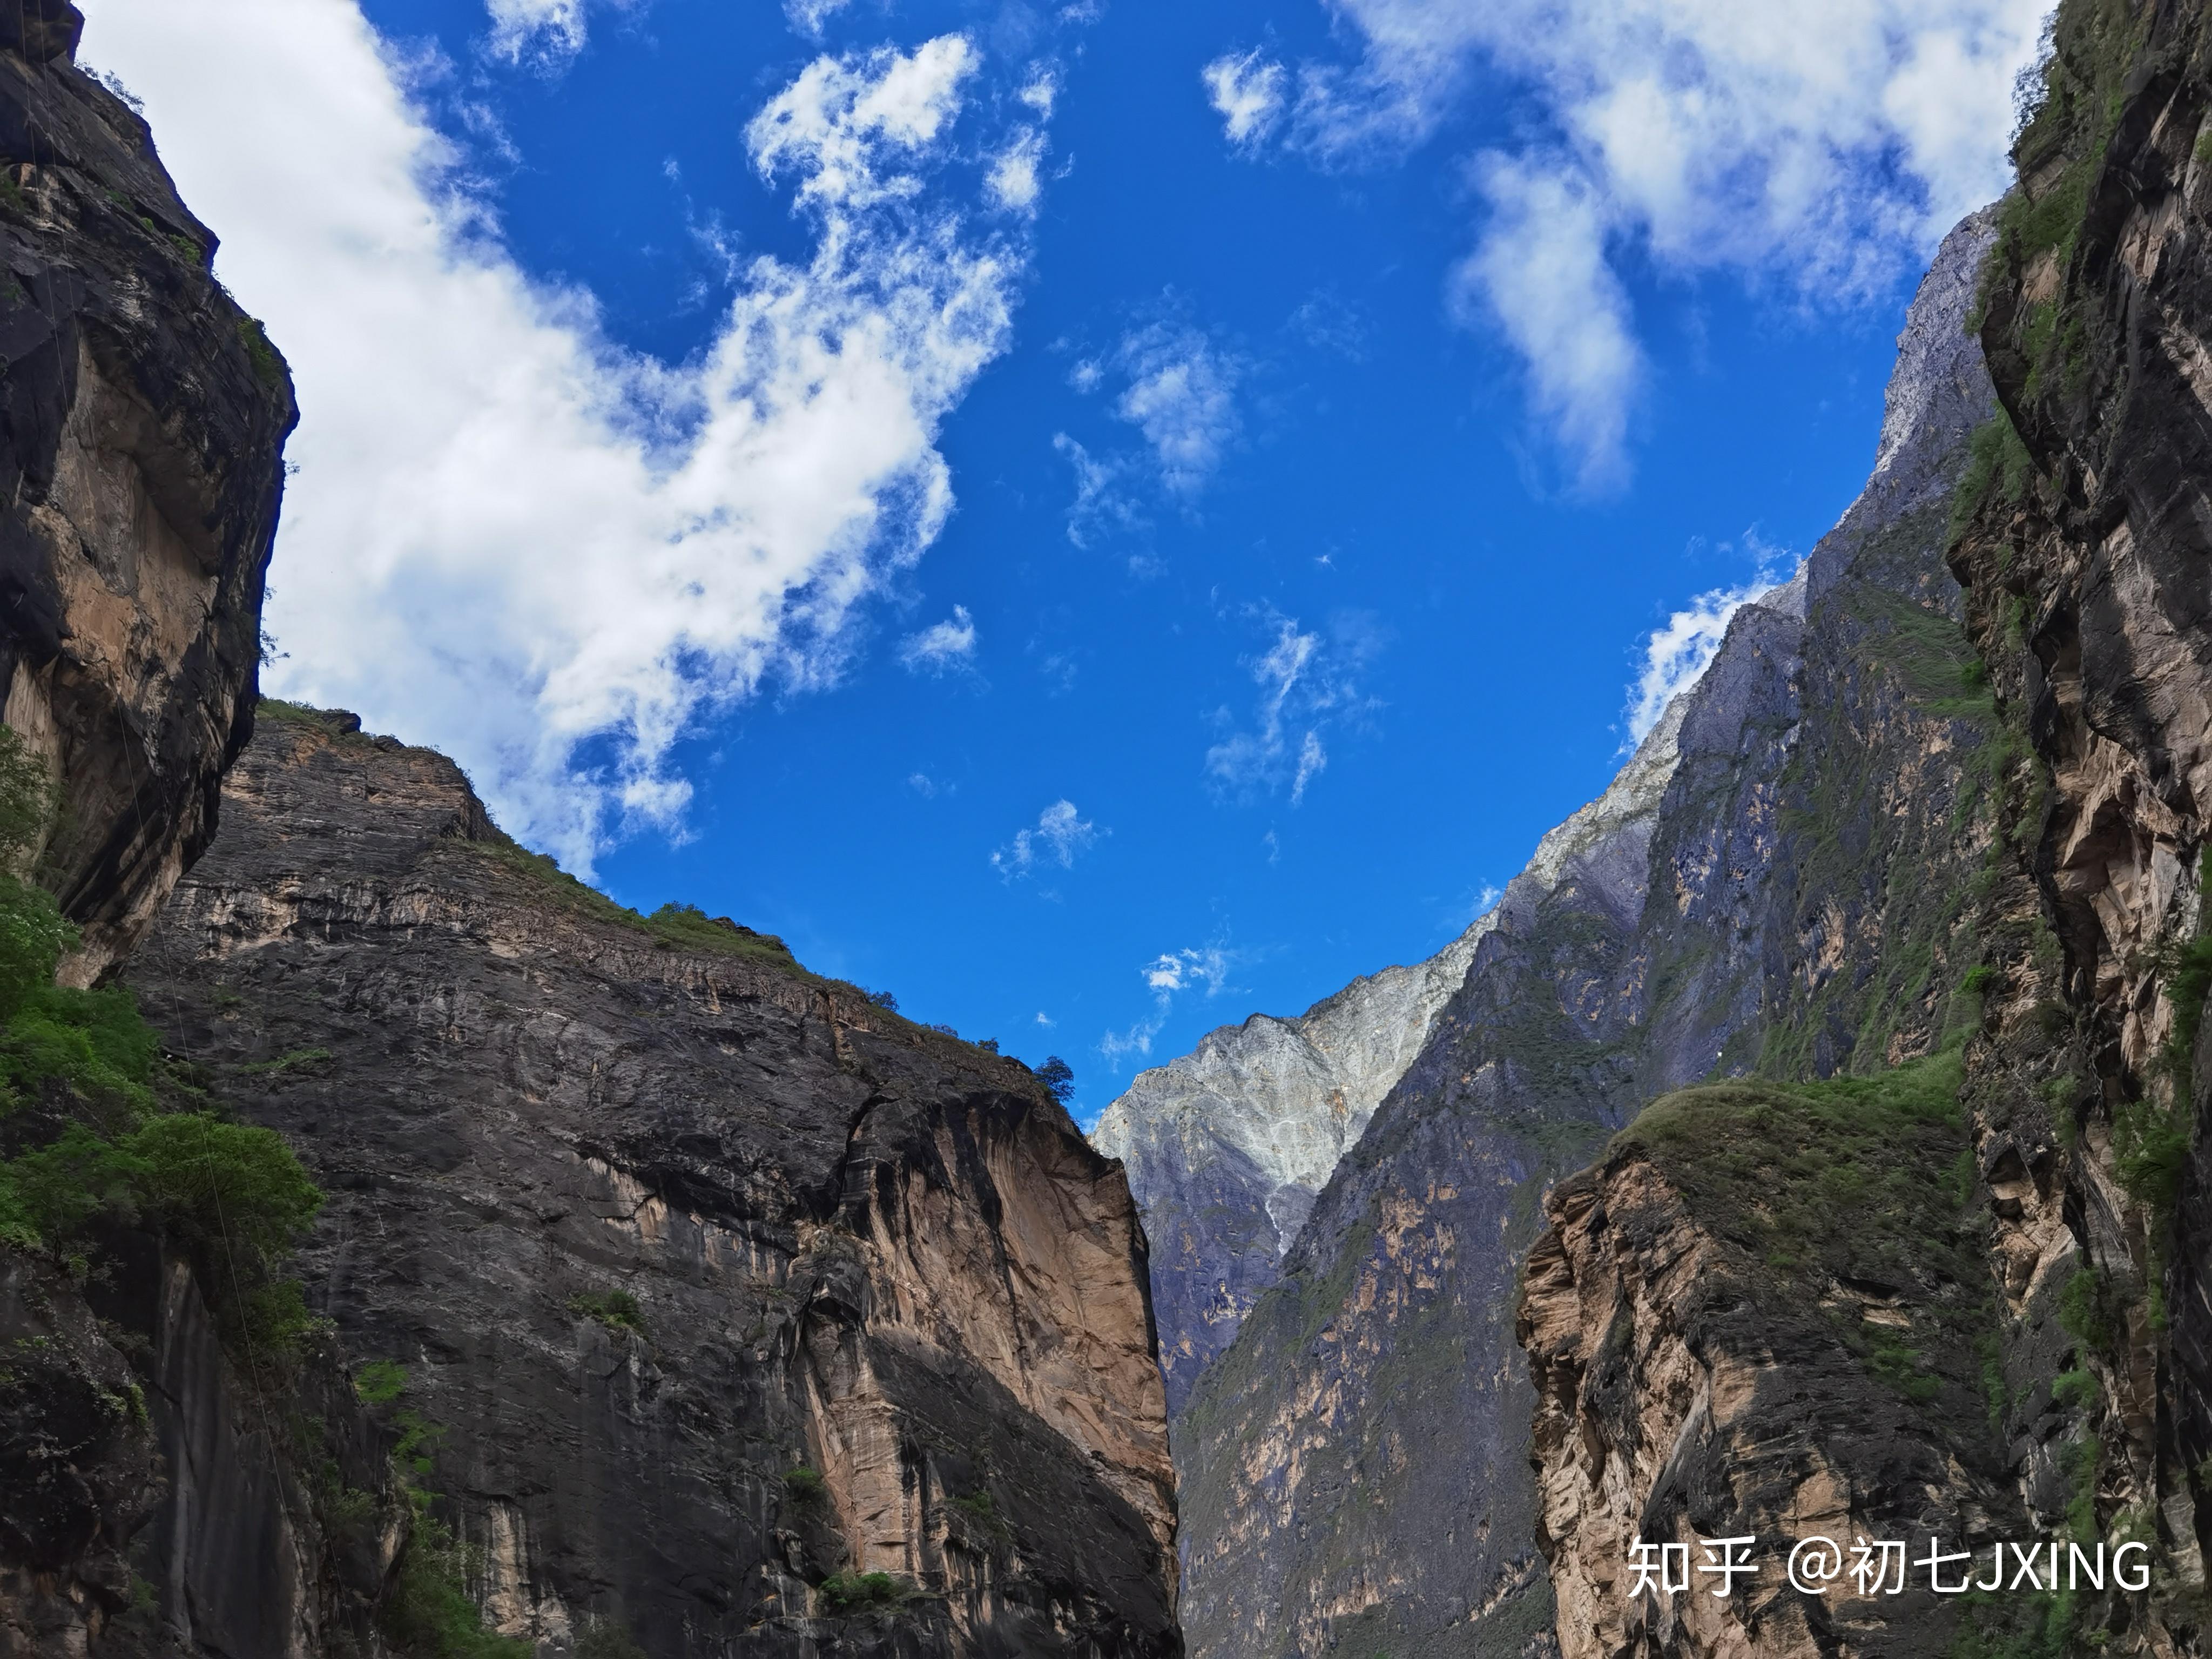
<point x="1097" y="519"/>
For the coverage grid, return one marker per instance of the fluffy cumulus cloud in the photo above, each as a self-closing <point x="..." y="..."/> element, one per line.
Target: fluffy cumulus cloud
<point x="507" y="535"/>
<point x="1167" y="977"/>
<point x="1061" y="832"/>
<point x="1822" y="145"/>
<point x="1307" y="682"/>
<point x="1014" y="181"/>
<point x="941" y="646"/>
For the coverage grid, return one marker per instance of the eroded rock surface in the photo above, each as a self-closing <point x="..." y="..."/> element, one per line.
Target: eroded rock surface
<point x="142" y="418"/>
<point x="720" y="1282"/>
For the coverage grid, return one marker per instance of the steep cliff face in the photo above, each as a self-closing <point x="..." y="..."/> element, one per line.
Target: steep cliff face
<point x="142" y="416"/>
<point x="1227" y="1145"/>
<point x="144" y="1504"/>
<point x="2071" y="1248"/>
<point x="1356" y="1465"/>
<point x="715" y="1289"/>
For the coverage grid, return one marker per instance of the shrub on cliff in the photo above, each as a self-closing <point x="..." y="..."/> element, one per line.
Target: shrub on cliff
<point x="101" y="1135"/>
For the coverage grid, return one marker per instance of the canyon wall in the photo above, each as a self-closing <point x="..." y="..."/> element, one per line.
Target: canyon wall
<point x="1227" y="1145"/>
<point x="142" y="418"/>
<point x="723" y="1288"/>
<point x="1768" y="889"/>
<point x="2057" y="1282"/>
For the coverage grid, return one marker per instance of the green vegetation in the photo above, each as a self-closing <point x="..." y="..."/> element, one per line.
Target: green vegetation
<point x="428" y="1614"/>
<point x="618" y="1310"/>
<point x="983" y="1513"/>
<point x="379" y="1382"/>
<point x="1998" y="465"/>
<point x="1058" y="1078"/>
<point x="267" y="366"/>
<point x="1997" y="1625"/>
<point x="863" y="1592"/>
<point x="805" y="1485"/>
<point x="120" y="1138"/>
<point x="1857" y="1179"/>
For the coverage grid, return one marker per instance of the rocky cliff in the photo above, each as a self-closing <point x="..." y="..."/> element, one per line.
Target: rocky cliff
<point x="1227" y="1145"/>
<point x="142" y="415"/>
<point x="1663" y="1310"/>
<point x="1767" y="890"/>
<point x="721" y="1306"/>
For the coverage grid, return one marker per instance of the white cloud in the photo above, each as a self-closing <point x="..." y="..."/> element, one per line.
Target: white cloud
<point x="1306" y="682"/>
<point x="1187" y="970"/>
<point x="1167" y="977"/>
<point x="1041" y="94"/>
<point x="923" y="785"/>
<point x="1248" y="93"/>
<point x="1677" y="652"/>
<point x="1059" y="835"/>
<point x="553" y="28"/>
<point x="1541" y="272"/>
<point x="1182" y="396"/>
<point x="1102" y="504"/>
<point x="1012" y="180"/>
<point x="1822" y="147"/>
<point x="1045" y="1020"/>
<point x="807" y="16"/>
<point x="942" y="645"/>
<point x="834" y="123"/>
<point x="509" y="537"/>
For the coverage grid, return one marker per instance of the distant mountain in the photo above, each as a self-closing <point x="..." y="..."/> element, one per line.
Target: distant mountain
<point x="1228" y="1146"/>
<point x="1780" y="884"/>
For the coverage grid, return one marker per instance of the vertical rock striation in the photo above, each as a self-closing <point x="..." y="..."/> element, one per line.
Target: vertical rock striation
<point x="142" y="418"/>
<point x="724" y="1288"/>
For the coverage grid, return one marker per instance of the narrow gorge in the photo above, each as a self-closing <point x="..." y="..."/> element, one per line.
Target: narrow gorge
<point x="1879" y="1008"/>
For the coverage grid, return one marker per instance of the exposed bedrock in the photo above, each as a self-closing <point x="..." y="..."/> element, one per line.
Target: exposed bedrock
<point x="142" y="418"/>
<point x="724" y="1288"/>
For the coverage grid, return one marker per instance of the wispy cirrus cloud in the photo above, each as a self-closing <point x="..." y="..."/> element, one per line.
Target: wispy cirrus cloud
<point x="1203" y="970"/>
<point x="941" y="647"/>
<point x="1819" y="151"/>
<point x="1178" y="389"/>
<point x="1308" y="681"/>
<point x="509" y="536"/>
<point x="548" y="32"/>
<point x="1061" y="832"/>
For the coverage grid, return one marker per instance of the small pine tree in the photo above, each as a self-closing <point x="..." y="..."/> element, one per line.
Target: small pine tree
<point x="1058" y="1078"/>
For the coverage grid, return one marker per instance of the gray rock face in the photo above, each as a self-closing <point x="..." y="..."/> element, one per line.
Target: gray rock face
<point x="142" y="418"/>
<point x="652" y="1219"/>
<point x="1226" y="1146"/>
<point x="1355" y="1466"/>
